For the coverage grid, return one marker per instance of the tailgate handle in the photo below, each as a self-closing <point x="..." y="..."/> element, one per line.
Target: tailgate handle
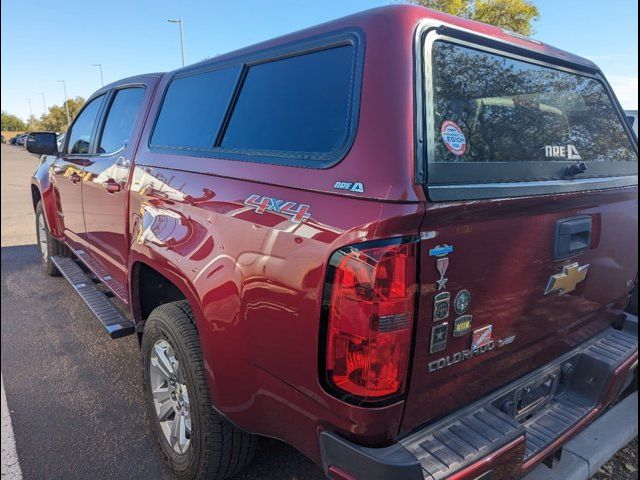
<point x="573" y="236"/>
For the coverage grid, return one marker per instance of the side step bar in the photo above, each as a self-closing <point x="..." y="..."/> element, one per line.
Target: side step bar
<point x="112" y="319"/>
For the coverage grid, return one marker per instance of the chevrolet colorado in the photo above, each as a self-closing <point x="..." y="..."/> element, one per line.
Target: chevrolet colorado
<point x="402" y="242"/>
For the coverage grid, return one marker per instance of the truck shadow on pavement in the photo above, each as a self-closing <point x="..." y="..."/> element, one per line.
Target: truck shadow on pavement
<point x="74" y="394"/>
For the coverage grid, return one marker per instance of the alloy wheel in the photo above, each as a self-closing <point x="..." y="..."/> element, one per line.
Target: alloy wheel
<point x="170" y="396"/>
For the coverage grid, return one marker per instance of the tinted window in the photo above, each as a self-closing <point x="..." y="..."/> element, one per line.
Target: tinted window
<point x="491" y="108"/>
<point x="120" y="119"/>
<point x="299" y="104"/>
<point x="80" y="135"/>
<point x="193" y="109"/>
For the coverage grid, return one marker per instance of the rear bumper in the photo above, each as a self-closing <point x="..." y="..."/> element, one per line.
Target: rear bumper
<point x="583" y="456"/>
<point x="492" y="439"/>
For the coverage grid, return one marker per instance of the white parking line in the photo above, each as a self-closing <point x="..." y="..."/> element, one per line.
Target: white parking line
<point x="10" y="465"/>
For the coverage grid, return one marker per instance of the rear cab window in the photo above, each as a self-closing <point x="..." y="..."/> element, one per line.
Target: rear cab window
<point x="501" y="125"/>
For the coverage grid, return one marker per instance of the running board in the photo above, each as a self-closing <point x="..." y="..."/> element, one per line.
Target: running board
<point x="112" y="319"/>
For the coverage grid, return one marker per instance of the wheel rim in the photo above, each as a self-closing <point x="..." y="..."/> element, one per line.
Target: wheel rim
<point x="170" y="396"/>
<point x="42" y="237"/>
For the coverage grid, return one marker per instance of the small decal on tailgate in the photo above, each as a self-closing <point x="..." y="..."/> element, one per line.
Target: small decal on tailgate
<point x="462" y="325"/>
<point x="441" y="306"/>
<point x="462" y="303"/>
<point x="439" y="337"/>
<point x="482" y="337"/>
<point x="442" y="264"/>
<point x="441" y="250"/>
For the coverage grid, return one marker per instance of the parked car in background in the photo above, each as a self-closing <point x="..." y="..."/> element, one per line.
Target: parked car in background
<point x="2" y="140"/>
<point x="21" y="139"/>
<point x="632" y="117"/>
<point x="409" y="261"/>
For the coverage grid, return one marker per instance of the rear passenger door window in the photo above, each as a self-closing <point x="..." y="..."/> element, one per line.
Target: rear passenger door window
<point x="82" y="129"/>
<point x="193" y="109"/>
<point x="121" y="117"/>
<point x="299" y="105"/>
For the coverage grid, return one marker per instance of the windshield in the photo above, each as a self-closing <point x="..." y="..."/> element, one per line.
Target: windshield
<point x="492" y="108"/>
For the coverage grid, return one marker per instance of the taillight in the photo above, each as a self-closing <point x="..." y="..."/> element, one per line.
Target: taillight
<point x="369" y="311"/>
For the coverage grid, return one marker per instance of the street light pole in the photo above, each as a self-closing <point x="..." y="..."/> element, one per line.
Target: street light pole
<point x="30" y="109"/>
<point x="44" y="103"/>
<point x="99" y="65"/>
<point x="179" y="22"/>
<point x="66" y="103"/>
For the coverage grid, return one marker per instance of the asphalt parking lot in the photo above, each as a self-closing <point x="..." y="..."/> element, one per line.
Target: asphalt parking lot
<point x="74" y="394"/>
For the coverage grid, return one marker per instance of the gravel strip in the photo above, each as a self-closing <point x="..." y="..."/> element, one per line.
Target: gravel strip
<point x="623" y="466"/>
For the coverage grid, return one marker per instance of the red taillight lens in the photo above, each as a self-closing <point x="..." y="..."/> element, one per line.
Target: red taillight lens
<point x="370" y="319"/>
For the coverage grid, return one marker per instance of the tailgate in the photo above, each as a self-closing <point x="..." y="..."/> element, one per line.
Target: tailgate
<point x="529" y="240"/>
<point x="524" y="306"/>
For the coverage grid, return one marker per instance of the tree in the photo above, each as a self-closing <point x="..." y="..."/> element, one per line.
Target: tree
<point x="11" y="123"/>
<point x="515" y="15"/>
<point x="55" y="120"/>
<point x="33" y="124"/>
<point x="459" y="8"/>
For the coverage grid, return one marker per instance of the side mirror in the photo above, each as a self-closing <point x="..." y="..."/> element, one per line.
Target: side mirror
<point x="42" y="143"/>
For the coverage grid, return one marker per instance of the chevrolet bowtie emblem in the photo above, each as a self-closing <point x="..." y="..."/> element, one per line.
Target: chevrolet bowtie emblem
<point x="567" y="281"/>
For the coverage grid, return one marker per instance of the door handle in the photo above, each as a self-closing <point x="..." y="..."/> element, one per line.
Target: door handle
<point x="573" y="236"/>
<point x="111" y="186"/>
<point x="75" y="178"/>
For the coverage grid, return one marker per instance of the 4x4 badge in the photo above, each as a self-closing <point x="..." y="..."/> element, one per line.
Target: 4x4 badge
<point x="297" y="212"/>
<point x="568" y="280"/>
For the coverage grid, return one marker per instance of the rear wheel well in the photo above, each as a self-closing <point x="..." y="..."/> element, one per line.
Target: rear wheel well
<point x="152" y="289"/>
<point x="35" y="196"/>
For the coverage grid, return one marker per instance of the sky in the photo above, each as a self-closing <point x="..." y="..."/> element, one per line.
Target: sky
<point x="44" y="41"/>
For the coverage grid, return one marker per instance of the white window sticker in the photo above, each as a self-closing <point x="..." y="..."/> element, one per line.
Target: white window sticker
<point x="453" y="138"/>
<point x="357" y="187"/>
<point x="570" y="152"/>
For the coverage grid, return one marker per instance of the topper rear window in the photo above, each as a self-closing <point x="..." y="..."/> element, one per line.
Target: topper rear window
<point x="495" y="118"/>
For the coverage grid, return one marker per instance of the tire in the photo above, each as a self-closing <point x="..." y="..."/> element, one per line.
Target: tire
<point x="48" y="245"/>
<point x="215" y="448"/>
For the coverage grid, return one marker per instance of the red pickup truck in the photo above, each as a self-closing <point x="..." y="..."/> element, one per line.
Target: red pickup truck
<point x="402" y="242"/>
